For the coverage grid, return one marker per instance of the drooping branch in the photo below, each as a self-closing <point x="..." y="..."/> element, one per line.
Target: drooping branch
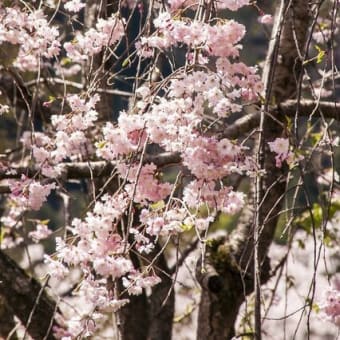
<point x="288" y="40"/>
<point x="278" y="75"/>
<point x="149" y="318"/>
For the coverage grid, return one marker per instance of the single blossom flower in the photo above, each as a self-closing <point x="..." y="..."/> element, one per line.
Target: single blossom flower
<point x="74" y="5"/>
<point x="266" y="19"/>
<point x="330" y="306"/>
<point x="281" y="147"/>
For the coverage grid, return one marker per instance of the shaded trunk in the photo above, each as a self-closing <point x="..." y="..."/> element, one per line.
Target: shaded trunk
<point x="149" y="317"/>
<point x="133" y="319"/>
<point x="162" y="303"/>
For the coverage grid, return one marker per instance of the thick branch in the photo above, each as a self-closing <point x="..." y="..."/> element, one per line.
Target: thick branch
<point x="7" y="323"/>
<point x="308" y="107"/>
<point x="242" y="126"/>
<point x="27" y="299"/>
<point x="79" y="170"/>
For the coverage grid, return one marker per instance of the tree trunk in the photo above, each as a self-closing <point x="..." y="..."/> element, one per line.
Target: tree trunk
<point x="149" y="318"/>
<point x="162" y="303"/>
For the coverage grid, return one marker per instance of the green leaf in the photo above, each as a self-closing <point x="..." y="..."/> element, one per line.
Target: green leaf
<point x="316" y="137"/>
<point x="289" y="123"/>
<point x="157" y="205"/>
<point x="186" y="227"/>
<point x="316" y="308"/>
<point x="334" y="208"/>
<point x="2" y="234"/>
<point x="307" y="218"/>
<point x="301" y="244"/>
<point x="126" y="62"/>
<point x="321" y="54"/>
<point x="65" y="61"/>
<point x="317" y="215"/>
<point x="101" y="144"/>
<point x="328" y="240"/>
<point x="187" y="312"/>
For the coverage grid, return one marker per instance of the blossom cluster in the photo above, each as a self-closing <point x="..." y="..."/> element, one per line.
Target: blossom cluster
<point x="106" y="33"/>
<point x="175" y="116"/>
<point x="144" y="186"/>
<point x="331" y="304"/>
<point x="101" y="253"/>
<point x="26" y="194"/>
<point x="3" y="109"/>
<point x="74" y="5"/>
<point x="121" y="141"/>
<point x="220" y="40"/>
<point x="70" y="140"/>
<point x="32" y="33"/>
<point x="281" y="147"/>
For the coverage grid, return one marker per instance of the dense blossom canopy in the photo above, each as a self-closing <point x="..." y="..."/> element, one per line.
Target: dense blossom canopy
<point x="178" y="114"/>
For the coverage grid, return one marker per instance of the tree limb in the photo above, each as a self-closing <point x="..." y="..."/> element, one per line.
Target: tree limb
<point x="78" y="86"/>
<point x="27" y="299"/>
<point x="79" y="170"/>
<point x="7" y="323"/>
<point x="307" y="107"/>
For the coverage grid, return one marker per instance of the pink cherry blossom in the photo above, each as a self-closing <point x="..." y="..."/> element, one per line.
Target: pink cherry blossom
<point x="144" y="187"/>
<point x="281" y="147"/>
<point x="331" y="303"/>
<point x="173" y="114"/>
<point x="106" y="33"/>
<point x="74" y="5"/>
<point x="31" y="32"/>
<point x="40" y="233"/>
<point x="4" y="109"/>
<point x="266" y="19"/>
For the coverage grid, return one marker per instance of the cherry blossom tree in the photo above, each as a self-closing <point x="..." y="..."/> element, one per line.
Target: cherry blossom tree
<point x="174" y="187"/>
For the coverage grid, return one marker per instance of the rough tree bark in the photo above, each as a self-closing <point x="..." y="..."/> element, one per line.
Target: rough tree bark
<point x="27" y="299"/>
<point x="7" y="323"/>
<point x="232" y="258"/>
<point x="149" y="317"/>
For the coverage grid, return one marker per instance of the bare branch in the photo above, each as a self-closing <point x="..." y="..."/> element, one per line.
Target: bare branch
<point x="78" y="86"/>
<point x="79" y="170"/>
<point x="308" y="107"/>
<point x="330" y="110"/>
